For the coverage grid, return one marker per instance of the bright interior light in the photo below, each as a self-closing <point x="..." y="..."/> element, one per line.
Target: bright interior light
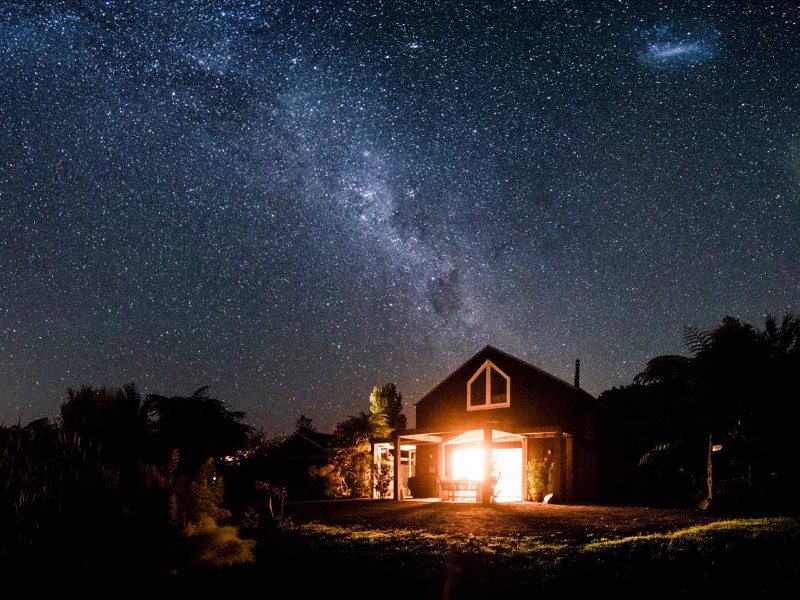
<point x="468" y="464"/>
<point x="508" y="463"/>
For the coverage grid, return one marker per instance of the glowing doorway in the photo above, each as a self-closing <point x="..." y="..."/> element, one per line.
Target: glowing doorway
<point x="468" y="465"/>
<point x="508" y="465"/>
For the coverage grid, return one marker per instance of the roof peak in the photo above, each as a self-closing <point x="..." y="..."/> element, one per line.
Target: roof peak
<point x="490" y="347"/>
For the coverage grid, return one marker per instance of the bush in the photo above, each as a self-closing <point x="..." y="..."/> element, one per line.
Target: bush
<point x="540" y="478"/>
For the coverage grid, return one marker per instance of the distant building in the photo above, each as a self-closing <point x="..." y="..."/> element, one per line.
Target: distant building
<point x="487" y="420"/>
<point x="301" y="450"/>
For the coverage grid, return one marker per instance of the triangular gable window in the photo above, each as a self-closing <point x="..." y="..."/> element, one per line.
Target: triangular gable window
<point x="488" y="388"/>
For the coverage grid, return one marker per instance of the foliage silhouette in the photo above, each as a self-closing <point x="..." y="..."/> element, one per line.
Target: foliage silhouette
<point x="198" y="426"/>
<point x="81" y="497"/>
<point x="738" y="386"/>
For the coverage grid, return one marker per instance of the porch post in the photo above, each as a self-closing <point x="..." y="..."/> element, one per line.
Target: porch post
<point x="525" y="490"/>
<point x="397" y="462"/>
<point x="558" y="484"/>
<point x="486" y="491"/>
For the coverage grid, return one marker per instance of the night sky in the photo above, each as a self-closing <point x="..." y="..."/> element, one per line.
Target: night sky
<point x="293" y="202"/>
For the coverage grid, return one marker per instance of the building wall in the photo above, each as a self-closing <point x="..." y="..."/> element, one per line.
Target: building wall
<point x="427" y="467"/>
<point x="537" y="400"/>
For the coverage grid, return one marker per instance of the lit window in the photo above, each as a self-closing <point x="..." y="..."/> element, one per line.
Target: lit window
<point x="488" y="388"/>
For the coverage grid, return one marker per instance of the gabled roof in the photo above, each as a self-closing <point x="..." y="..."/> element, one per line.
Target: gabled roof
<point x="489" y="349"/>
<point x="311" y="442"/>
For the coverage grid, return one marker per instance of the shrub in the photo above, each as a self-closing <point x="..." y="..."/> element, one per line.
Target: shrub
<point x="382" y="474"/>
<point x="540" y="477"/>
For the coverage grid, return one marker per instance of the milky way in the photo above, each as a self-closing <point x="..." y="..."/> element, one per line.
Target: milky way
<point x="292" y="203"/>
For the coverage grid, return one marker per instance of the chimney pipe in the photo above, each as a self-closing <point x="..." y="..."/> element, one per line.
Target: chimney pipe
<point x="577" y="373"/>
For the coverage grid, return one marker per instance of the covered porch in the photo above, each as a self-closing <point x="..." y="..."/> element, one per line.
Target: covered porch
<point x="486" y="465"/>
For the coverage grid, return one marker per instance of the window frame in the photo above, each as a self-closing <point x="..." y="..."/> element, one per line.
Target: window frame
<point x="488" y="368"/>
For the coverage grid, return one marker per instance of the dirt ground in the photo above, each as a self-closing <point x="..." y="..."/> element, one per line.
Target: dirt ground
<point x="544" y="521"/>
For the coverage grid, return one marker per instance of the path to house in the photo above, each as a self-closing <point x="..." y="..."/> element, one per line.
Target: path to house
<point x="547" y="521"/>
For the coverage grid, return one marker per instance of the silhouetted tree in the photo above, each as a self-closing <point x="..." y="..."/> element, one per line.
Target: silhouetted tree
<point x="111" y="420"/>
<point x="304" y="423"/>
<point x="198" y="426"/>
<point x="59" y="505"/>
<point x="79" y="498"/>
<point x="741" y="388"/>
<point x="655" y="440"/>
<point x="256" y="461"/>
<point x="769" y="418"/>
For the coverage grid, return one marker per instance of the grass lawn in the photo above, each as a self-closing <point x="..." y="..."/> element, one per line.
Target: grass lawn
<point x="741" y="557"/>
<point x="752" y="557"/>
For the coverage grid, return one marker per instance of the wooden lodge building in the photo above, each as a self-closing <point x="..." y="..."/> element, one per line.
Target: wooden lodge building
<point x="478" y="430"/>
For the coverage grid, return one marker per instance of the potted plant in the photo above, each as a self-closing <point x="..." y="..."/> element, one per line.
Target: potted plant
<point x="540" y="478"/>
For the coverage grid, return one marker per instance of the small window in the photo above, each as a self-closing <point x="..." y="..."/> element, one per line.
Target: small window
<point x="489" y="387"/>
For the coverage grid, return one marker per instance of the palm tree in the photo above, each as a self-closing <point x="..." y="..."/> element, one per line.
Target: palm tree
<point x="681" y="374"/>
<point x="705" y="378"/>
<point x="111" y="420"/>
<point x="729" y="379"/>
<point x="772" y="417"/>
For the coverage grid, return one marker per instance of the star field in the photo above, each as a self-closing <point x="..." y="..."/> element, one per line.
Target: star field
<point x="293" y="202"/>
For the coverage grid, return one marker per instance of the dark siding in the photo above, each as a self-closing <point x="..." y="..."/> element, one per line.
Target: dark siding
<point x="537" y="400"/>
